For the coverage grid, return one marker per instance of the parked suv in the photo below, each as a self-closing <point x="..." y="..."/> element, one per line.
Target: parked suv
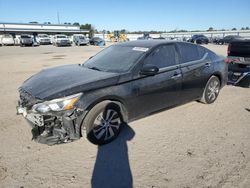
<point x="199" y="39"/>
<point x="26" y="40"/>
<point x="121" y="83"/>
<point x="80" y="40"/>
<point x="61" y="40"/>
<point x="43" y="39"/>
<point x="7" y="40"/>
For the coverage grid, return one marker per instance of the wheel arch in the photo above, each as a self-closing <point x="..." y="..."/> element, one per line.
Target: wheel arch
<point x="112" y="99"/>
<point x="219" y="76"/>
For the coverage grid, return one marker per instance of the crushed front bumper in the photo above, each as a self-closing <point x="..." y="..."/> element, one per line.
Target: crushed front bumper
<point x="54" y="128"/>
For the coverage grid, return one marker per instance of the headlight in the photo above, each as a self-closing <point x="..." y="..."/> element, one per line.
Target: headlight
<point x="56" y="105"/>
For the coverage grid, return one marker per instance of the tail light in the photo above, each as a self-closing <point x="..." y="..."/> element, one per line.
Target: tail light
<point x="227" y="60"/>
<point x="228" y="49"/>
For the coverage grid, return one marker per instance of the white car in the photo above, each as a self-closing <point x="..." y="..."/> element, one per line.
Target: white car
<point x="43" y="39"/>
<point x="61" y="40"/>
<point x="80" y="39"/>
<point x="7" y="40"/>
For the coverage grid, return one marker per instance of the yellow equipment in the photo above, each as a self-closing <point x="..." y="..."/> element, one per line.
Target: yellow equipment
<point x="118" y="37"/>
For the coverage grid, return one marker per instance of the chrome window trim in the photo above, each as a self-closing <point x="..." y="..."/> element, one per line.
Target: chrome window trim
<point x="195" y="62"/>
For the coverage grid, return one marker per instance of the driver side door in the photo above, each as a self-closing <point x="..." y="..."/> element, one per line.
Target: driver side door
<point x="161" y="90"/>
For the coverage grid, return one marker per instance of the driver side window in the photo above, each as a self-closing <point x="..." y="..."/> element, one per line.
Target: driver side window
<point x="163" y="56"/>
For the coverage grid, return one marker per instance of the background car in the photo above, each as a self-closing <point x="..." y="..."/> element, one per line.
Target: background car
<point x="7" y="40"/>
<point x="61" y="40"/>
<point x="145" y="36"/>
<point x="26" y="40"/>
<point x="229" y="38"/>
<point x="80" y="40"/>
<point x="43" y="39"/>
<point x="199" y="39"/>
<point x="96" y="41"/>
<point x="239" y="63"/>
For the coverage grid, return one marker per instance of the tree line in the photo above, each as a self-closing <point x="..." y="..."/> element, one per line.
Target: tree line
<point x="92" y="29"/>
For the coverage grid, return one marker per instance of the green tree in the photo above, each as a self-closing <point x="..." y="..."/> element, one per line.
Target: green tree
<point x="210" y="29"/>
<point x="234" y="29"/>
<point x="90" y="28"/>
<point x="123" y="31"/>
<point x="76" y="24"/>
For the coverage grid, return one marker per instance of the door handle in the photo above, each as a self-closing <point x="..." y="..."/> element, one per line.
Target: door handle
<point x="176" y="76"/>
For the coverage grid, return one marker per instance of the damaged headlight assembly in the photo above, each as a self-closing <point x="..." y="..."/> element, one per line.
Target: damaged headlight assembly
<point x="56" y="105"/>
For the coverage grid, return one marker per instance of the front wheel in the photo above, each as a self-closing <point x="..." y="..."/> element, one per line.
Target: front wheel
<point x="103" y="123"/>
<point x="211" y="90"/>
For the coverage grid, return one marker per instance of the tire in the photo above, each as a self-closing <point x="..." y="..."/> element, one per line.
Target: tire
<point x="211" y="90"/>
<point x="103" y="123"/>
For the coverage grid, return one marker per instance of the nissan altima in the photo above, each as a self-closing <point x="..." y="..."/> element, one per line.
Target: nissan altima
<point x="121" y="83"/>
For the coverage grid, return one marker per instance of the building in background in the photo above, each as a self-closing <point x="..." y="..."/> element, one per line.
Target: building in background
<point x="16" y="29"/>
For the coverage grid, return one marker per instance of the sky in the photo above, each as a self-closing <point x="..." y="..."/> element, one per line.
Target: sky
<point x="132" y="15"/>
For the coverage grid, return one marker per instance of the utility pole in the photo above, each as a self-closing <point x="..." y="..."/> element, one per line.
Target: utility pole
<point x="58" y="18"/>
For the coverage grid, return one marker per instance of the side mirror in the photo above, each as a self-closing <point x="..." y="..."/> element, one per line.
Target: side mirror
<point x="149" y="70"/>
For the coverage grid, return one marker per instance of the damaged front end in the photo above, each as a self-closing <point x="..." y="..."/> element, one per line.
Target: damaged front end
<point x="53" y="122"/>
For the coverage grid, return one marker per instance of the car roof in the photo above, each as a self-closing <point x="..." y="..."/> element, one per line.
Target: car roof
<point x="147" y="43"/>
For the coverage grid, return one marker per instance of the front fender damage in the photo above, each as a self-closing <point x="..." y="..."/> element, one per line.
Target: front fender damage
<point x="59" y="128"/>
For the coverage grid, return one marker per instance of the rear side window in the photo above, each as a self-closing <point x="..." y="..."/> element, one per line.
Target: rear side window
<point x="189" y="52"/>
<point x="202" y="51"/>
<point x="162" y="56"/>
<point x="212" y="55"/>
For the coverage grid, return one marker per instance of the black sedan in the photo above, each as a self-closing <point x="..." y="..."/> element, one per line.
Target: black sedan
<point x="96" y="41"/>
<point x="122" y="83"/>
<point x="228" y="39"/>
<point x="199" y="39"/>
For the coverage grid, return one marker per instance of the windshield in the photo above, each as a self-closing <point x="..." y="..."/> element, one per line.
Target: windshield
<point x="7" y="36"/>
<point x="43" y="36"/>
<point x="115" y="59"/>
<point x="81" y="37"/>
<point x="61" y="37"/>
<point x="25" y="37"/>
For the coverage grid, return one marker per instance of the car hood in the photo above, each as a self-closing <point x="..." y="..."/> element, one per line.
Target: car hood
<point x="67" y="80"/>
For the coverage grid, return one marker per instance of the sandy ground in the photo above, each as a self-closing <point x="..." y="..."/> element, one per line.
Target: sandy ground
<point x="193" y="145"/>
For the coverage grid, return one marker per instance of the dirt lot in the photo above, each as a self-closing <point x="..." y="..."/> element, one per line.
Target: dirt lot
<point x="193" y="145"/>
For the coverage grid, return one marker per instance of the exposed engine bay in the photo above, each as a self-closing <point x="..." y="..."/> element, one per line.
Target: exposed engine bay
<point x="50" y="127"/>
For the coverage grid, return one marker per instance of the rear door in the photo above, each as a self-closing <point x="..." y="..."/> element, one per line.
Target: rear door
<point x="163" y="89"/>
<point x="196" y="68"/>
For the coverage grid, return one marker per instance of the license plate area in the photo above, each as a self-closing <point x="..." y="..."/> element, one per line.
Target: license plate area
<point x="21" y="111"/>
<point x="34" y="118"/>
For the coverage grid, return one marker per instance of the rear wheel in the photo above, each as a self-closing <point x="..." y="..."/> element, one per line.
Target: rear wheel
<point x="103" y="123"/>
<point x="211" y="90"/>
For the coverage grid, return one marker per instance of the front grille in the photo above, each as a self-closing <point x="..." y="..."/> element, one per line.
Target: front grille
<point x="45" y="40"/>
<point x="26" y="99"/>
<point x="64" y="41"/>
